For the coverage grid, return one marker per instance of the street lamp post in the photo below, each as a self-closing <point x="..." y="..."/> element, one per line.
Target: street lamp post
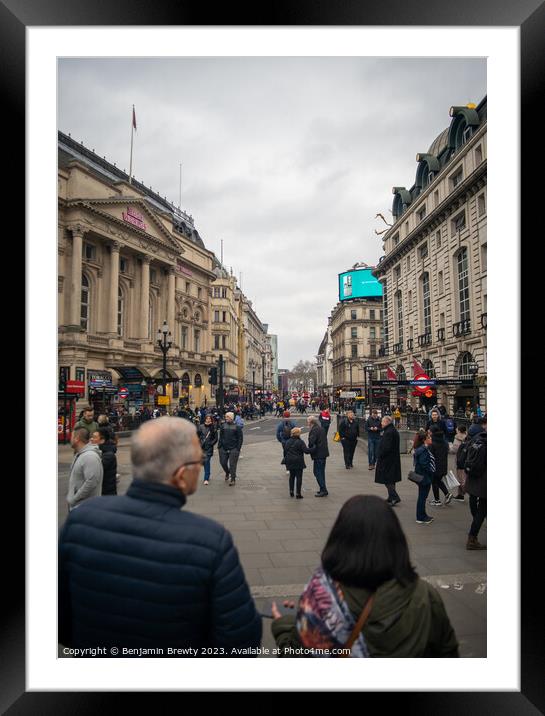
<point x="369" y="372"/>
<point x="473" y="369"/>
<point x="164" y="343"/>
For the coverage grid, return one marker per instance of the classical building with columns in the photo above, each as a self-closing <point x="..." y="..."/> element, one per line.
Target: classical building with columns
<point x="433" y="270"/>
<point x="254" y="348"/>
<point x="128" y="261"/>
<point x="224" y="302"/>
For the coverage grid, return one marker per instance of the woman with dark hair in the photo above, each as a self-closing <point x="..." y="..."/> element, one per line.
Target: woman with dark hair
<point x="439" y="449"/>
<point x="423" y="465"/>
<point x="366" y="577"/>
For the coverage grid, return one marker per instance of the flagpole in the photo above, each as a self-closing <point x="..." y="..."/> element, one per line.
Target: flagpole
<point x="132" y="134"/>
<point x="180" y="205"/>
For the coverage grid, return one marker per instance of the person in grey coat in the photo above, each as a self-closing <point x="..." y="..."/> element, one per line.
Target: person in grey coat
<point x="86" y="471"/>
<point x="388" y="469"/>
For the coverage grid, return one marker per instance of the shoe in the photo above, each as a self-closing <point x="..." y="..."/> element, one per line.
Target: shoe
<point x="473" y="543"/>
<point x="299" y="497"/>
<point x="427" y="521"/>
<point x="396" y="502"/>
<point x="292" y="494"/>
<point x="435" y="503"/>
<point x="448" y="498"/>
<point x="206" y="482"/>
<point x="460" y="498"/>
<point x="231" y="482"/>
<point x="370" y="467"/>
<point x="321" y="494"/>
<point x="226" y="477"/>
<point x="347" y="467"/>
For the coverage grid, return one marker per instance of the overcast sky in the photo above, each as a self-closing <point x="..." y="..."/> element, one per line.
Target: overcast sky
<point x="288" y="160"/>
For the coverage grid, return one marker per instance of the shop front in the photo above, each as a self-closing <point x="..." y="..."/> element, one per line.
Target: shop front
<point x="101" y="390"/>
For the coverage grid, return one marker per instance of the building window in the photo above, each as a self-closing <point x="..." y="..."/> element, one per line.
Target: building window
<point x="463" y="285"/>
<point x="224" y="317"/>
<point x="124" y="265"/>
<point x="199" y="292"/>
<point x="422" y="214"/>
<point x="197" y="341"/>
<point x="184" y="338"/>
<point x="399" y="312"/>
<point x="456" y="179"/>
<point x="483" y="258"/>
<point x="397" y="273"/>
<point x="463" y="371"/>
<point x="438" y="240"/>
<point x="423" y="251"/>
<point x="436" y="198"/>
<point x="120" y="312"/>
<point x="224" y="293"/>
<point x="89" y="252"/>
<point x="410" y="301"/>
<point x="216" y="316"/>
<point x="372" y="332"/>
<point x="372" y="351"/>
<point x="153" y="276"/>
<point x="426" y="302"/>
<point x="224" y="341"/>
<point x="396" y="239"/>
<point x="216" y="292"/>
<point x="459" y="222"/>
<point x="481" y="205"/>
<point x="431" y="177"/>
<point x="187" y="287"/>
<point x="478" y="155"/>
<point x="353" y="315"/>
<point x="444" y="368"/>
<point x="353" y="333"/>
<point x="216" y="341"/>
<point x="354" y="351"/>
<point x="406" y="228"/>
<point x="372" y="314"/>
<point x="468" y="131"/>
<point x="84" y="313"/>
<point x="408" y="263"/>
<point x="428" y="368"/>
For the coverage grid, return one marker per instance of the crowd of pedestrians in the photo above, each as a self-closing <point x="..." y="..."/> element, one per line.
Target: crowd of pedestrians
<point x="176" y="579"/>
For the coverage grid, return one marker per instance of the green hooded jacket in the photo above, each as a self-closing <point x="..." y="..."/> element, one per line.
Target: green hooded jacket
<point x="405" y="621"/>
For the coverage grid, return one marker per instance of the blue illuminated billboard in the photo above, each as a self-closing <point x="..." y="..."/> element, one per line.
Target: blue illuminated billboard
<point x="359" y="284"/>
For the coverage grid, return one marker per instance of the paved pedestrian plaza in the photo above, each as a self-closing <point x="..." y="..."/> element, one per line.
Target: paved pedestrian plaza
<point x="280" y="538"/>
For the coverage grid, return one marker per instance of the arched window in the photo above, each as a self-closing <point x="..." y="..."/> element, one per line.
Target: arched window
<point x="428" y="368"/>
<point x="400" y="373"/>
<point x="426" y="302"/>
<point x="463" y="369"/>
<point x="120" y="311"/>
<point x="84" y="314"/>
<point x="463" y="285"/>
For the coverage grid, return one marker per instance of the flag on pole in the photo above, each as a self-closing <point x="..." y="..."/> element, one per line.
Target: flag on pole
<point x="391" y="373"/>
<point x="133" y="117"/>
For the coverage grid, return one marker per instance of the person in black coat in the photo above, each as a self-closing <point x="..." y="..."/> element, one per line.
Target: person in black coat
<point x="349" y="430"/>
<point x="319" y="452"/>
<point x="294" y="456"/>
<point x="102" y="438"/>
<point x="439" y="450"/>
<point x="208" y="437"/>
<point x="388" y="468"/>
<point x="229" y="444"/>
<point x="137" y="571"/>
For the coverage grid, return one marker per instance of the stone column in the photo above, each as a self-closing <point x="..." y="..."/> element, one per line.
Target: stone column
<point x="144" y="300"/>
<point x="114" y="287"/>
<point x="75" y="286"/>
<point x="171" y="303"/>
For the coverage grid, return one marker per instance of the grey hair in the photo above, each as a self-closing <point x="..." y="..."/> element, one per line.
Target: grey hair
<point x="313" y="420"/>
<point x="159" y="447"/>
<point x="388" y="418"/>
<point x="230" y="415"/>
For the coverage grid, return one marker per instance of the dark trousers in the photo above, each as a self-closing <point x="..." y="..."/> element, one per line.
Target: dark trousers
<point x="228" y="461"/>
<point x="392" y="492"/>
<point x="296" y="475"/>
<point x="372" y="444"/>
<point x="318" y="468"/>
<point x="423" y="492"/>
<point x="437" y="485"/>
<point x="477" y="505"/>
<point x="349" y="448"/>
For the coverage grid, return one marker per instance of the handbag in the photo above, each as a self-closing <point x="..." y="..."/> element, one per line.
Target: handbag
<point x="347" y="649"/>
<point x="415" y="477"/>
<point x="337" y="437"/>
<point x="451" y="481"/>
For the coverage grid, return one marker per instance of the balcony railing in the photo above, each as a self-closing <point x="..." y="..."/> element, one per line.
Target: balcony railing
<point x="483" y="321"/>
<point x="383" y="351"/>
<point x="398" y="347"/>
<point x="462" y="328"/>
<point x="424" y="339"/>
<point x="410" y="344"/>
<point x="441" y="334"/>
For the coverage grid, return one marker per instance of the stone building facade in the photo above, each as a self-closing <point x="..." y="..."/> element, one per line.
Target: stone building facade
<point x="434" y="266"/>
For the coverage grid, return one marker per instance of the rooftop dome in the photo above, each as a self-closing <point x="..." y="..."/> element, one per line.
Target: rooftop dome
<point x="439" y="143"/>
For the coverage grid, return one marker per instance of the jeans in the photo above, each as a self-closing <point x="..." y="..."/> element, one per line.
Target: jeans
<point x="296" y="475"/>
<point x="228" y="461"/>
<point x="477" y="505"/>
<point x="207" y="468"/>
<point x="319" y="473"/>
<point x="349" y="448"/>
<point x="423" y="492"/>
<point x="372" y="444"/>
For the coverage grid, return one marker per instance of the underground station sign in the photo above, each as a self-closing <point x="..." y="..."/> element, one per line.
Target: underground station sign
<point x="430" y="383"/>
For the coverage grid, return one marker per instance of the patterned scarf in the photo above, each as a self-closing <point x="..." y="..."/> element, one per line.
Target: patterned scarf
<point x="324" y="620"/>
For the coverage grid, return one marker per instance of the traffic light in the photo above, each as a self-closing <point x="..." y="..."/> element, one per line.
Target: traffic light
<point x="213" y="376"/>
<point x="63" y="377"/>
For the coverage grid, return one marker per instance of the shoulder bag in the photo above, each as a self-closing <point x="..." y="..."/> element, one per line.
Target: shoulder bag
<point x="415" y="477"/>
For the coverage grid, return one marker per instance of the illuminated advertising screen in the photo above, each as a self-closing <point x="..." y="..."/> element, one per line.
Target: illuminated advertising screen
<point x="359" y="284"/>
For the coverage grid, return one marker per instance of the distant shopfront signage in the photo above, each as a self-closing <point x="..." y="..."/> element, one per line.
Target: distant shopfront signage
<point x="134" y="217"/>
<point x="99" y="378"/>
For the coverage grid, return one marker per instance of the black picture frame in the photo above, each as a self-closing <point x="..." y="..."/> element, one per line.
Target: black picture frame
<point x="529" y="16"/>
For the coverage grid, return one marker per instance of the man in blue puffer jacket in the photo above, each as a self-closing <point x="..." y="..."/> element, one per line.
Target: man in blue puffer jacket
<point x="138" y="572"/>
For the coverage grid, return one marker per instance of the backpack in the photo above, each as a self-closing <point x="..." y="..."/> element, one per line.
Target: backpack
<point x="475" y="461"/>
<point x="449" y="422"/>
